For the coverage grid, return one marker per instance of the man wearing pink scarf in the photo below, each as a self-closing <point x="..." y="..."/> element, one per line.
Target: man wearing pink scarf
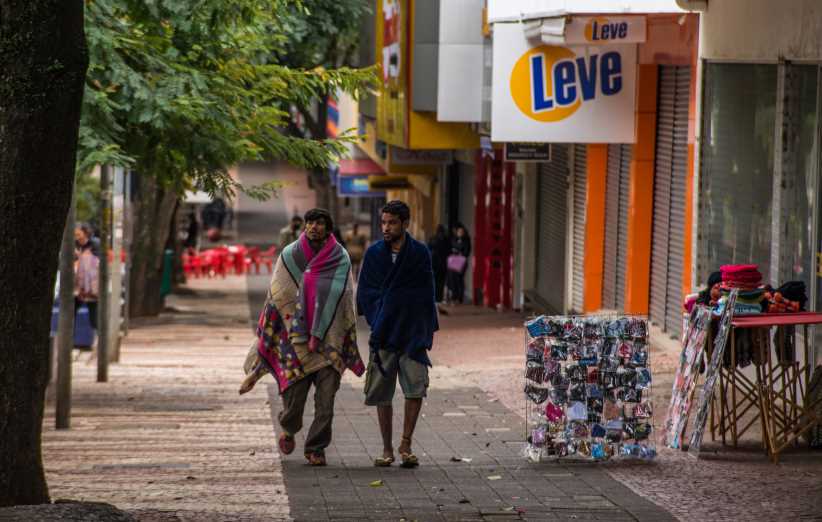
<point x="307" y="333"/>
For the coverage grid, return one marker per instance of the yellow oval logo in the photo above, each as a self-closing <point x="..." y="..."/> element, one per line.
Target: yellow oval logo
<point x="533" y="73"/>
<point x="550" y="83"/>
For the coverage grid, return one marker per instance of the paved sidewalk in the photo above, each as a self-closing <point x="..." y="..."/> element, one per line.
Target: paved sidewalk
<point x="459" y="421"/>
<point x="168" y="438"/>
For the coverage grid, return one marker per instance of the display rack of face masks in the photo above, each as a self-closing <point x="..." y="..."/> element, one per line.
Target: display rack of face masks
<point x="588" y="388"/>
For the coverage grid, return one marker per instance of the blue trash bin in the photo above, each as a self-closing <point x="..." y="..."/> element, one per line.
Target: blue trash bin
<point x="83" y="332"/>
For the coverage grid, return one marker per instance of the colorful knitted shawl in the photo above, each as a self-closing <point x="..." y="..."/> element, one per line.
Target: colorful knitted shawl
<point x="310" y="302"/>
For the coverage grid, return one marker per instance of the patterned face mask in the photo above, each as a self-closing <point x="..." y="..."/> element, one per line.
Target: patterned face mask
<point x="598" y="431"/>
<point x="598" y="451"/>
<point x="639" y="358"/>
<point x="536" y="374"/>
<point x="630" y="395"/>
<point x="613" y="435"/>
<point x="627" y="377"/>
<point x="577" y="373"/>
<point x="643" y="410"/>
<point x="625" y="350"/>
<point x="535" y="394"/>
<point x="611" y="410"/>
<point x="577" y="411"/>
<point x="592" y="329"/>
<point x="559" y="395"/>
<point x="553" y="412"/>
<point x="642" y="431"/>
<point x="614" y="329"/>
<point x="538" y="436"/>
<point x="594" y="391"/>
<point x="637" y="329"/>
<point x="577" y="392"/>
<point x="579" y="430"/>
<point x="536" y="327"/>
<point x="643" y="378"/>
<point x="559" y="351"/>
<point x="571" y="331"/>
<point x="552" y="369"/>
<point x="534" y="357"/>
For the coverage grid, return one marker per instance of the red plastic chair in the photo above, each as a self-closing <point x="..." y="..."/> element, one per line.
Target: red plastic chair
<point x="267" y="258"/>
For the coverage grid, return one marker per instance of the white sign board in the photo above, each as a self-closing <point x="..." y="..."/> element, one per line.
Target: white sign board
<point x="604" y="30"/>
<point x="576" y="94"/>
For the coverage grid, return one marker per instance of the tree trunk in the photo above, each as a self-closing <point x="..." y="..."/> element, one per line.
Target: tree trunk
<point x="43" y="61"/>
<point x="153" y="213"/>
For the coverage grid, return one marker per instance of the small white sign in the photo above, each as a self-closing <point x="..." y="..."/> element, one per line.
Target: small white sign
<point x="605" y="30"/>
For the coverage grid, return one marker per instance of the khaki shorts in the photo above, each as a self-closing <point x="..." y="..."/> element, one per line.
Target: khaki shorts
<point x="379" y="388"/>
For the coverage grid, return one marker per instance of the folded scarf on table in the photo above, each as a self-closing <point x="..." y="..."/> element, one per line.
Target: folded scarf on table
<point x="397" y="299"/>
<point x="311" y="302"/>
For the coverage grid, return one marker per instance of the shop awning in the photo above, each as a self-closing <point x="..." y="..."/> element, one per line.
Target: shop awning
<point x="380" y="183"/>
<point x="360" y="166"/>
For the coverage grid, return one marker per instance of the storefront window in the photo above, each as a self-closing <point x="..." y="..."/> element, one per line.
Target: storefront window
<point x="736" y="181"/>
<point x="800" y="209"/>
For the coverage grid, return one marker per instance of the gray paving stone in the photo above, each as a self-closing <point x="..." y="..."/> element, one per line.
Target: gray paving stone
<point x="488" y="434"/>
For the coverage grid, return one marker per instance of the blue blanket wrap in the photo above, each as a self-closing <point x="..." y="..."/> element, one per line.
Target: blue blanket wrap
<point x="398" y="299"/>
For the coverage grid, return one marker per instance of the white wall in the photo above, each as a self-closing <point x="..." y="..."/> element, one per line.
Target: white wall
<point x="502" y="10"/>
<point x="459" y="88"/>
<point x="762" y="30"/>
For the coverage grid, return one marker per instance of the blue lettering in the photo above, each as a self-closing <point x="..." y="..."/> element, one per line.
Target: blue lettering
<point x="594" y="30"/>
<point x="588" y="77"/>
<point x="623" y="30"/>
<point x="605" y="31"/>
<point x="611" y="73"/>
<point x="541" y="102"/>
<point x="565" y="89"/>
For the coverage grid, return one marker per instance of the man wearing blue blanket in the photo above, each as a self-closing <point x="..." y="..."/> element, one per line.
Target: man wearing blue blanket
<point x="396" y="296"/>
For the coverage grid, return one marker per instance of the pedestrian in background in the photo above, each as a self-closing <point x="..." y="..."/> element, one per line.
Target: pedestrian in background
<point x="440" y="247"/>
<point x="356" y="244"/>
<point x="290" y="232"/>
<point x="307" y="333"/>
<point x="458" y="262"/>
<point x="86" y="273"/>
<point x="396" y="296"/>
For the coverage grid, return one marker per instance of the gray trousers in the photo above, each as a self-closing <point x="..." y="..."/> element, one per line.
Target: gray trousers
<point x="326" y="383"/>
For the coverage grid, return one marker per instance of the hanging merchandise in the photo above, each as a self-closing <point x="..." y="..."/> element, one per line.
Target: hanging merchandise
<point x="685" y="380"/>
<point x="588" y="388"/>
<point x="712" y="372"/>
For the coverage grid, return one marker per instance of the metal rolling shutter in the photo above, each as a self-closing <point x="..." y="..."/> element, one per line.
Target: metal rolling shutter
<point x="616" y="225"/>
<point x="624" y="202"/>
<point x="670" y="185"/>
<point x="552" y="229"/>
<point x="580" y="186"/>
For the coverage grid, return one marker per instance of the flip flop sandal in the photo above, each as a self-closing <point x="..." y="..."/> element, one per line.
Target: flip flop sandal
<point x="286" y="444"/>
<point x="315" y="459"/>
<point x="383" y="462"/>
<point x="409" y="460"/>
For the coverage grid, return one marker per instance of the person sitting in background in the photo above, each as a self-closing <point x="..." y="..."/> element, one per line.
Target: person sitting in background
<point x="356" y="244"/>
<point x="290" y="232"/>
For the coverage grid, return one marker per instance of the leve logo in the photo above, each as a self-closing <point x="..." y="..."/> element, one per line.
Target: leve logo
<point x="603" y="30"/>
<point x="551" y="83"/>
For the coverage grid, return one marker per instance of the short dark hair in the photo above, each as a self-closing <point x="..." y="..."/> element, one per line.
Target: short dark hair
<point x="317" y="214"/>
<point x="397" y="208"/>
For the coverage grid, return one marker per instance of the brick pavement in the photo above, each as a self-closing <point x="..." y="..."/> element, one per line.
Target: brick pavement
<point x="459" y="420"/>
<point x="168" y="438"/>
